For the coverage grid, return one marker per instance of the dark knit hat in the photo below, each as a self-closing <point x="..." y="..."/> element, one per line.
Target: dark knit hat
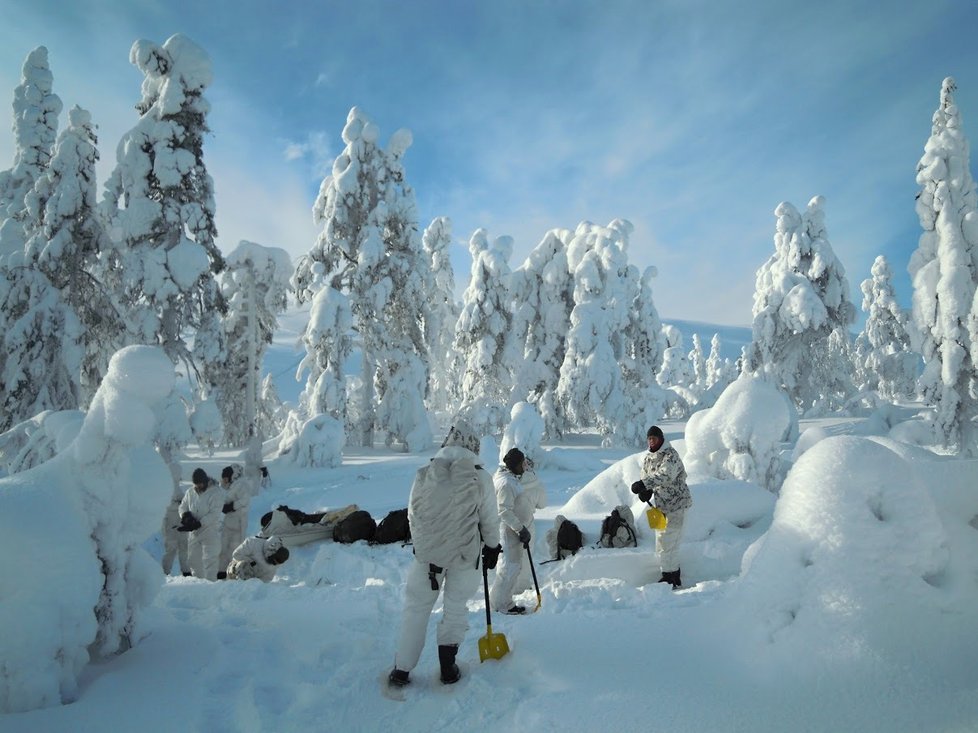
<point x="513" y="460"/>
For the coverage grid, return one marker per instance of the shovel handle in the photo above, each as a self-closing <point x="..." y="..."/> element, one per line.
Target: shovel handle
<point x="485" y="584"/>
<point x="534" y="571"/>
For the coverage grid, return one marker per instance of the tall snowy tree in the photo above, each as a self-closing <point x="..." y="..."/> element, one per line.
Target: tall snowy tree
<point x="441" y="314"/>
<point x="645" y="401"/>
<point x="886" y="361"/>
<point x="255" y="287"/>
<point x="801" y="297"/>
<point x="36" y="108"/>
<point x="542" y="291"/>
<point x="944" y="270"/>
<point x="159" y="201"/>
<point x="29" y="309"/>
<point x="67" y="247"/>
<point x="590" y="385"/>
<point x="484" y="333"/>
<point x="370" y="250"/>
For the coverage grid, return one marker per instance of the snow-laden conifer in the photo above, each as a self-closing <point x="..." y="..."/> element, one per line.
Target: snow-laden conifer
<point x="68" y="245"/>
<point x="944" y="270"/>
<point x="159" y="201"/>
<point x="801" y="297"/>
<point x="36" y="108"/>
<point x="483" y="333"/>
<point x="440" y="317"/>
<point x="542" y="291"/>
<point x="590" y="386"/>
<point x="886" y="362"/>
<point x="255" y="286"/>
<point x="370" y="250"/>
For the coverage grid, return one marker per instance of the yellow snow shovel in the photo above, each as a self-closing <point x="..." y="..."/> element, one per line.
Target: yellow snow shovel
<point x="657" y="520"/>
<point x="491" y="646"/>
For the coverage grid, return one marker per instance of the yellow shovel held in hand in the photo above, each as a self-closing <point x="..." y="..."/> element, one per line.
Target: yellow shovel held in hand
<point x="491" y="646"/>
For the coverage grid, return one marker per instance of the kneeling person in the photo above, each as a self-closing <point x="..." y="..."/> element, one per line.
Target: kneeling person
<point x="257" y="557"/>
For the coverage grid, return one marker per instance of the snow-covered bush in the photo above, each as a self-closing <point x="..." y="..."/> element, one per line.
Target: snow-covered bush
<point x="38" y="439"/>
<point x="76" y="525"/>
<point x="207" y="424"/>
<point x="741" y="435"/>
<point x="316" y="442"/>
<point x="524" y="431"/>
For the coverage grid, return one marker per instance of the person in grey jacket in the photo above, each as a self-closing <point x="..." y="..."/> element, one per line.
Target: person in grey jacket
<point x="518" y="494"/>
<point x="664" y="479"/>
<point x="453" y="519"/>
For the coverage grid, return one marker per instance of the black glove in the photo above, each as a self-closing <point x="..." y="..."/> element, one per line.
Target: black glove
<point x="524" y="535"/>
<point x="188" y="523"/>
<point x="228" y="508"/>
<point x="490" y="555"/>
<point x="638" y="487"/>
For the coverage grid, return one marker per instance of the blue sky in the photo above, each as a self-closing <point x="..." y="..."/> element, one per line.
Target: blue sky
<point x="692" y="119"/>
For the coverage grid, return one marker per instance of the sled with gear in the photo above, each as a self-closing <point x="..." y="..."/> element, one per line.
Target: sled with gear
<point x="296" y="527"/>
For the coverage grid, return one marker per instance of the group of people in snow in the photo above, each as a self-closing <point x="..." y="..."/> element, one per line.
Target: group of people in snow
<point x="458" y="515"/>
<point x="455" y="521"/>
<point x="205" y="527"/>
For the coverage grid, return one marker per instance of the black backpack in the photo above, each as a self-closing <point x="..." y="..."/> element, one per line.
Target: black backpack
<point x="616" y="531"/>
<point x="569" y="538"/>
<point x="393" y="528"/>
<point x="357" y="526"/>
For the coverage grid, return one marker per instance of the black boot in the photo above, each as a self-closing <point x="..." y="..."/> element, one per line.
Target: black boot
<point x="666" y="578"/>
<point x="676" y="579"/>
<point x="450" y="673"/>
<point x="222" y="575"/>
<point x="398" y="677"/>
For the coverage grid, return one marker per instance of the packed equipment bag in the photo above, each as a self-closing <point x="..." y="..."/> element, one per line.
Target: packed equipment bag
<point x="393" y="528"/>
<point x="359" y="525"/>
<point x="564" y="538"/>
<point x="618" y="529"/>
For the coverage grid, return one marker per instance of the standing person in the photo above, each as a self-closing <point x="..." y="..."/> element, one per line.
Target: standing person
<point x="453" y="517"/>
<point x="200" y="514"/>
<point x="257" y="557"/>
<point x="237" y="500"/>
<point x="664" y="477"/>
<point x="518" y="494"/>
<point x="174" y="541"/>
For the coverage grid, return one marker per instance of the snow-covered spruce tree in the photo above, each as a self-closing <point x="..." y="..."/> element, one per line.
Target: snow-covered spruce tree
<point x="41" y="346"/>
<point x="886" y="362"/>
<point x="483" y="334"/>
<point x="645" y="400"/>
<point x="697" y="362"/>
<point x="255" y="286"/>
<point x="370" y="250"/>
<point x="36" y="109"/>
<point x="271" y="411"/>
<point x="441" y="314"/>
<point x="67" y="247"/>
<point x="401" y="379"/>
<point x="675" y="375"/>
<point x="542" y="291"/>
<point x="801" y="297"/>
<point x="590" y="386"/>
<point x="159" y="202"/>
<point x="944" y="270"/>
<point x="22" y="288"/>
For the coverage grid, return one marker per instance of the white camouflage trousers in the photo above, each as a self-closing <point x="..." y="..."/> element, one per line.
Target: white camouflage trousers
<point x="458" y="582"/>
<point x="667" y="542"/>
<point x="507" y="571"/>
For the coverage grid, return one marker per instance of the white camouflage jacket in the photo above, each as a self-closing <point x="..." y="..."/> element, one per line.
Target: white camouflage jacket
<point x="664" y="473"/>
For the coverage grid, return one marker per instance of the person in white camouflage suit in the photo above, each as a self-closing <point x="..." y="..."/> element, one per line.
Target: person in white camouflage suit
<point x="237" y="500"/>
<point x="257" y="557"/>
<point x="664" y="478"/>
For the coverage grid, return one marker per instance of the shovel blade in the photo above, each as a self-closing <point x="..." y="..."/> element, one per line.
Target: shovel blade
<point x="492" y="646"/>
